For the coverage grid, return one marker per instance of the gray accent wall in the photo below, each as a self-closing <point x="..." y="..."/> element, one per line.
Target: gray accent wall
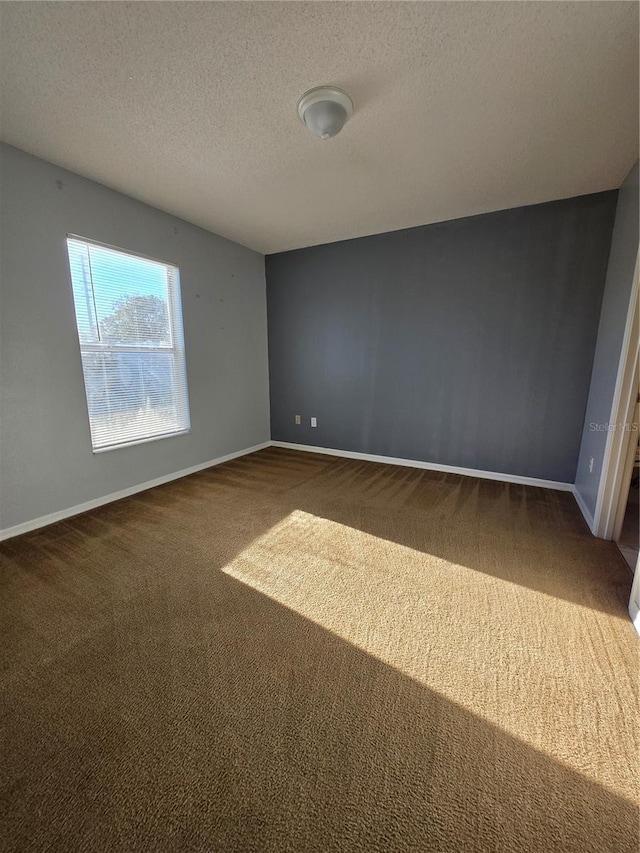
<point x="613" y="318"/>
<point x="466" y="343"/>
<point x="47" y="464"/>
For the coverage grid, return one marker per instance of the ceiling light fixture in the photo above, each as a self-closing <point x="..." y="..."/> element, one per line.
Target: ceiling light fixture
<point x="325" y="110"/>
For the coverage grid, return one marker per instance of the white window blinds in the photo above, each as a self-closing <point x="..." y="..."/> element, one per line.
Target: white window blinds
<point x="129" y="320"/>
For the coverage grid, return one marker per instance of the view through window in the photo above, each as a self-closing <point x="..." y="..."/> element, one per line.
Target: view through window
<point x="129" y="319"/>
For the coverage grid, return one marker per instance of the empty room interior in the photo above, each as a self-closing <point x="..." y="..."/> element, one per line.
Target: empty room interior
<point x="319" y="427"/>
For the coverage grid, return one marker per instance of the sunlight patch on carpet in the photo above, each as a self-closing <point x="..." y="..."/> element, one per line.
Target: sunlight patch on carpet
<point x="484" y="642"/>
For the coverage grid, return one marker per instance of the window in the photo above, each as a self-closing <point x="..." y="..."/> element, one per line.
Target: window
<point x="129" y="320"/>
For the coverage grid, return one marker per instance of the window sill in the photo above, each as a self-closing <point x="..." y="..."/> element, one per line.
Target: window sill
<point x="151" y="438"/>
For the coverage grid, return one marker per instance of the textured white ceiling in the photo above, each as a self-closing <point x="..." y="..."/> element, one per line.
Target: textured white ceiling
<point x="460" y="108"/>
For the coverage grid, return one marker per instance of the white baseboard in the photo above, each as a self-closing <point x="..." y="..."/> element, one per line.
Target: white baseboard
<point x="584" y="509"/>
<point x="430" y="466"/>
<point x="44" y="520"/>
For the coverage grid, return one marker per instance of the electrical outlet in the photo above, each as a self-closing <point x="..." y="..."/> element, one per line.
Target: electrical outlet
<point x="298" y="419"/>
<point x="314" y="422"/>
<point x="591" y="465"/>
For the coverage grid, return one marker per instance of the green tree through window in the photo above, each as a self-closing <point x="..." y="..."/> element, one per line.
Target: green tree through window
<point x="137" y="319"/>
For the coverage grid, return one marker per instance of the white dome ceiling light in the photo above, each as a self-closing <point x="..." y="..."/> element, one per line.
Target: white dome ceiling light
<point x="325" y="110"/>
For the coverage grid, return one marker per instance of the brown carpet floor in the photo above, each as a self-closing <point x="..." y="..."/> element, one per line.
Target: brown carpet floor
<point x="292" y="652"/>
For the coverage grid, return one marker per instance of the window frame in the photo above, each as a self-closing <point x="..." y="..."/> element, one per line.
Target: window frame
<point x="176" y="348"/>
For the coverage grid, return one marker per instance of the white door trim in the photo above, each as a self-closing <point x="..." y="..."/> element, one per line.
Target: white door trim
<point x="624" y="400"/>
<point x="634" y="600"/>
<point x="627" y="472"/>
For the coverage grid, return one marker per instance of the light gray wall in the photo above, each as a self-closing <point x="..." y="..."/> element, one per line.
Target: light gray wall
<point x="46" y="460"/>
<point x="466" y="343"/>
<point x="613" y="317"/>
